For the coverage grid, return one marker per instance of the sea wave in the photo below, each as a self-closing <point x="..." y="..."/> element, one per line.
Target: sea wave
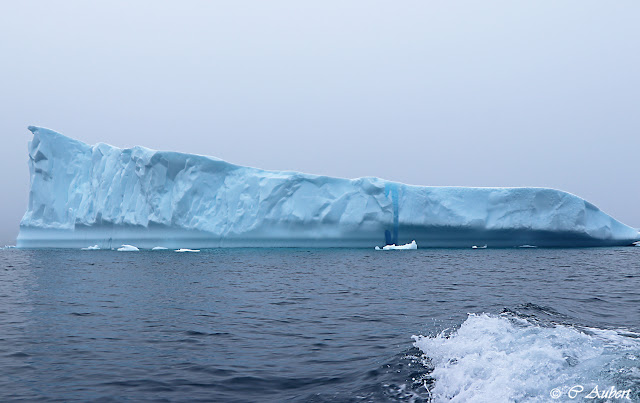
<point x="506" y="358"/>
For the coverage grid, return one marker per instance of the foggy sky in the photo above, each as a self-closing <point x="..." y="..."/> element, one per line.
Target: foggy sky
<point x="465" y="93"/>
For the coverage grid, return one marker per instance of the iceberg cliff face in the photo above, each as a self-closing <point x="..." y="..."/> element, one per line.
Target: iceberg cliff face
<point x="102" y="195"/>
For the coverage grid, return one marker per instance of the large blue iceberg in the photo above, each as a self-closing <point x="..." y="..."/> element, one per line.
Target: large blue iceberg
<point x="102" y="195"/>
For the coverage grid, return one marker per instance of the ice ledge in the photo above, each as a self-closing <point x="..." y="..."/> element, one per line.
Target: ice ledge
<point x="84" y="195"/>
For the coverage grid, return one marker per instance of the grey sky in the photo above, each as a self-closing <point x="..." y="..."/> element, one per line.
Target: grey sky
<point x="469" y="93"/>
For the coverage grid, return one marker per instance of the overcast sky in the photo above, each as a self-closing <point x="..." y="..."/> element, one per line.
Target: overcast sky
<point x="465" y="93"/>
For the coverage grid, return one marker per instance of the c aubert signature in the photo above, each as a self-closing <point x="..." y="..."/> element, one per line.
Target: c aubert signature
<point x="596" y="393"/>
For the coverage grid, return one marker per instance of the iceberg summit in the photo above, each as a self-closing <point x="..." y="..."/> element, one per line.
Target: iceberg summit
<point x="104" y="196"/>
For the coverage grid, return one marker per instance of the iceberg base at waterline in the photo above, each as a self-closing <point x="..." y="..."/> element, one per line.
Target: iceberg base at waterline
<point x="106" y="196"/>
<point x="409" y="246"/>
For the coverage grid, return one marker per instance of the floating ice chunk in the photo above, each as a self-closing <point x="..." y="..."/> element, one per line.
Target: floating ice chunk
<point x="527" y="246"/>
<point x="81" y="193"/>
<point x="128" y="248"/>
<point x="9" y="246"/>
<point x="408" y="246"/>
<point x="479" y="247"/>
<point x="187" y="250"/>
<point x="93" y="247"/>
<point x="159" y="248"/>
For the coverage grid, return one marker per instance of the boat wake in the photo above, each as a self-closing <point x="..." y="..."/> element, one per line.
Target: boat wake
<point x="505" y="358"/>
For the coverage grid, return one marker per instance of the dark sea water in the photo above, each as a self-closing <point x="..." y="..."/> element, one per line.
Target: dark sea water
<point x="262" y="325"/>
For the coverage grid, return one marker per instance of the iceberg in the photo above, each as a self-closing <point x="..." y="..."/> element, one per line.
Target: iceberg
<point x="103" y="195"/>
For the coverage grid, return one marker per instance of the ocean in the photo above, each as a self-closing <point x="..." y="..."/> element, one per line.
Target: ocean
<point x="320" y="325"/>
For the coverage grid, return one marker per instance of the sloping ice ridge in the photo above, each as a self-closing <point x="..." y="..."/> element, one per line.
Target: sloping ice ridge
<point x="101" y="195"/>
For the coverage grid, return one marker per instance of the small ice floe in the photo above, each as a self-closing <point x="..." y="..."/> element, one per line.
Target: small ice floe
<point x="159" y="248"/>
<point x="128" y="248"/>
<point x="93" y="247"/>
<point x="637" y="243"/>
<point x="408" y="246"/>
<point x="479" y="247"/>
<point x="527" y="246"/>
<point x="9" y="247"/>
<point x="187" y="250"/>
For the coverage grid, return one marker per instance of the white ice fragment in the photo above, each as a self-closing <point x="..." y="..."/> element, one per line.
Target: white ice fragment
<point x="408" y="246"/>
<point x="93" y="247"/>
<point x="128" y="248"/>
<point x="159" y="248"/>
<point x="479" y="247"/>
<point x="527" y="246"/>
<point x="187" y="250"/>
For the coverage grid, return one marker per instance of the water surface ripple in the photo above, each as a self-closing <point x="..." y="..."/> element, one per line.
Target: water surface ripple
<point x="291" y="324"/>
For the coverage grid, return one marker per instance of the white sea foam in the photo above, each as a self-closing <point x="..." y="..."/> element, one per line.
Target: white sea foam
<point x="503" y="359"/>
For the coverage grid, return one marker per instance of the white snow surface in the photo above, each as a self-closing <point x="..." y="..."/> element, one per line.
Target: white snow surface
<point x="83" y="195"/>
